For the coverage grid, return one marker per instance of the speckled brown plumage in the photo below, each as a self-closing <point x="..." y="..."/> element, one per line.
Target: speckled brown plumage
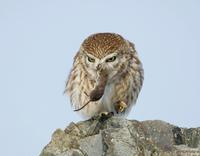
<point x="102" y="44"/>
<point x="110" y="53"/>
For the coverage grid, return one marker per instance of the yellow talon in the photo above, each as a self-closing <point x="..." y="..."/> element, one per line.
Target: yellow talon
<point x="120" y="107"/>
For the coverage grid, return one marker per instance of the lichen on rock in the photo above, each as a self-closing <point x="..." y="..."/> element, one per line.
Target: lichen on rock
<point x="121" y="137"/>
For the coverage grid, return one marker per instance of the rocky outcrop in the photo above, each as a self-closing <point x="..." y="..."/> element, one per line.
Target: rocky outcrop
<point x="121" y="137"/>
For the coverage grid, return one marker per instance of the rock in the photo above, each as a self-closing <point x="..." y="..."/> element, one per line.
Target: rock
<point x="121" y="137"/>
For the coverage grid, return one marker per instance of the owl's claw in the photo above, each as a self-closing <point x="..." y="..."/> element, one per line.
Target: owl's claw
<point x="105" y="115"/>
<point x="120" y="107"/>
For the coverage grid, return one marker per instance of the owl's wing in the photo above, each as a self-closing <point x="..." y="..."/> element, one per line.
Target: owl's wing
<point x="71" y="76"/>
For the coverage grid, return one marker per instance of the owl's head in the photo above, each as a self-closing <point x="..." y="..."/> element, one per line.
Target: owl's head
<point x="105" y="51"/>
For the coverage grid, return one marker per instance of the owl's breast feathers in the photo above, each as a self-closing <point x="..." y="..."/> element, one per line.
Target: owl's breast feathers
<point x="124" y="88"/>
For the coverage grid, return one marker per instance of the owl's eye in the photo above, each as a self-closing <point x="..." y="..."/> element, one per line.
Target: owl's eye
<point x="91" y="59"/>
<point x="111" y="59"/>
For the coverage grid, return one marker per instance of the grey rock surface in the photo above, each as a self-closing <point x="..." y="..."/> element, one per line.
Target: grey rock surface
<point x="121" y="137"/>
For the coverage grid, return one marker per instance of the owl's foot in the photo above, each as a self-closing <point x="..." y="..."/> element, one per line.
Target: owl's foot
<point x="105" y="115"/>
<point x="102" y="116"/>
<point x="120" y="107"/>
<point x="98" y="122"/>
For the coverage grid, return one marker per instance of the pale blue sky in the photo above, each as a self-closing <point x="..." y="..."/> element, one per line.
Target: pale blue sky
<point x="38" y="40"/>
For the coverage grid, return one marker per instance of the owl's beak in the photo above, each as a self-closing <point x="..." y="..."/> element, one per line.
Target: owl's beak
<point x="99" y="66"/>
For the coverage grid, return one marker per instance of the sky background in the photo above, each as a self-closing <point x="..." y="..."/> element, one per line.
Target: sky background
<point x="38" y="40"/>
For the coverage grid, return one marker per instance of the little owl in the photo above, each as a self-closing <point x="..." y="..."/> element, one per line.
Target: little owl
<point x="106" y="76"/>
